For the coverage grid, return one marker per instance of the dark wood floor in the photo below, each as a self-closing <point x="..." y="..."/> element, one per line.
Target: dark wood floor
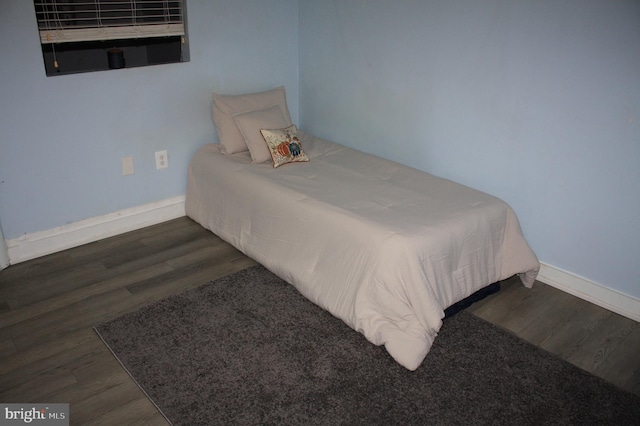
<point x="48" y="306"/>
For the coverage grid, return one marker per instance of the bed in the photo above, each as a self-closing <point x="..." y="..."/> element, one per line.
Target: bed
<point x="382" y="246"/>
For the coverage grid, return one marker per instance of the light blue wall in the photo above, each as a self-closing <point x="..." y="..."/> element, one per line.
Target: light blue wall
<point x="537" y="102"/>
<point x="62" y="138"/>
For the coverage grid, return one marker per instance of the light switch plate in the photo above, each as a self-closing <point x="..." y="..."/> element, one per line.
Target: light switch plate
<point x="127" y="166"/>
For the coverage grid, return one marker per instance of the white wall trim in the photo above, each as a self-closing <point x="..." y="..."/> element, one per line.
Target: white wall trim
<point x="31" y="246"/>
<point x="590" y="291"/>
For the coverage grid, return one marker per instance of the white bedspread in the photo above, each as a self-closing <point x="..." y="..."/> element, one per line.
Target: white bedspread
<point x="382" y="246"/>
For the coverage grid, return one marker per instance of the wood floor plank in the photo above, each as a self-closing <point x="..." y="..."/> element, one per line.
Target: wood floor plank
<point x="68" y="360"/>
<point x="4" y="307"/>
<point x="576" y="329"/>
<point x="604" y="340"/>
<point x="7" y="348"/>
<point x="38" y="356"/>
<point x="143" y="258"/>
<point x="54" y="284"/>
<point x="48" y="306"/>
<point x="110" y="374"/>
<point x="527" y="307"/>
<point x="621" y="367"/>
<point x="549" y="318"/>
<point x="34" y="388"/>
<point x="209" y="253"/>
<point x="99" y="365"/>
<point x="74" y="296"/>
<point x="33" y="270"/>
<point x="111" y="399"/>
<point x="193" y="274"/>
<point x="109" y="247"/>
<point x="499" y="305"/>
<point x="50" y="327"/>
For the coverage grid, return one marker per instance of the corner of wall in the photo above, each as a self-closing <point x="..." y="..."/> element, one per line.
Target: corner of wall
<point x="4" y="254"/>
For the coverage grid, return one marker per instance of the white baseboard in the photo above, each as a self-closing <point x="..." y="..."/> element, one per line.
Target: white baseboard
<point x="31" y="246"/>
<point x="590" y="291"/>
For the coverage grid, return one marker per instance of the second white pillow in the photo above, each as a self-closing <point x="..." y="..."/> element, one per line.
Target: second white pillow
<point x="251" y="122"/>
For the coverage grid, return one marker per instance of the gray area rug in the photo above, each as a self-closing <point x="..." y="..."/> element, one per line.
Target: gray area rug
<point x="249" y="349"/>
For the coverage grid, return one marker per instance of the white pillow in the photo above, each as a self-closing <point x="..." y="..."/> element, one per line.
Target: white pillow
<point x="251" y="122"/>
<point x="224" y="106"/>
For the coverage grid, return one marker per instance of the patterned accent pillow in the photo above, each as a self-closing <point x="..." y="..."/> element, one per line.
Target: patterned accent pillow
<point x="284" y="145"/>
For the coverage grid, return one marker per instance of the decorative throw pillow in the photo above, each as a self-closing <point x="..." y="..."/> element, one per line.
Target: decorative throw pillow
<point x="250" y="123"/>
<point x="224" y="106"/>
<point x="284" y="145"/>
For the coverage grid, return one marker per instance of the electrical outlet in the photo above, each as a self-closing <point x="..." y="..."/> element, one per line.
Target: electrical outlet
<point x="162" y="160"/>
<point x="127" y="166"/>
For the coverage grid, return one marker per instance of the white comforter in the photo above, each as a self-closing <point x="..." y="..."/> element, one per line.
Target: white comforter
<point x="382" y="246"/>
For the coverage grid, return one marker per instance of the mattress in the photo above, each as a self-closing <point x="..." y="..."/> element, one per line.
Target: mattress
<point x="382" y="246"/>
